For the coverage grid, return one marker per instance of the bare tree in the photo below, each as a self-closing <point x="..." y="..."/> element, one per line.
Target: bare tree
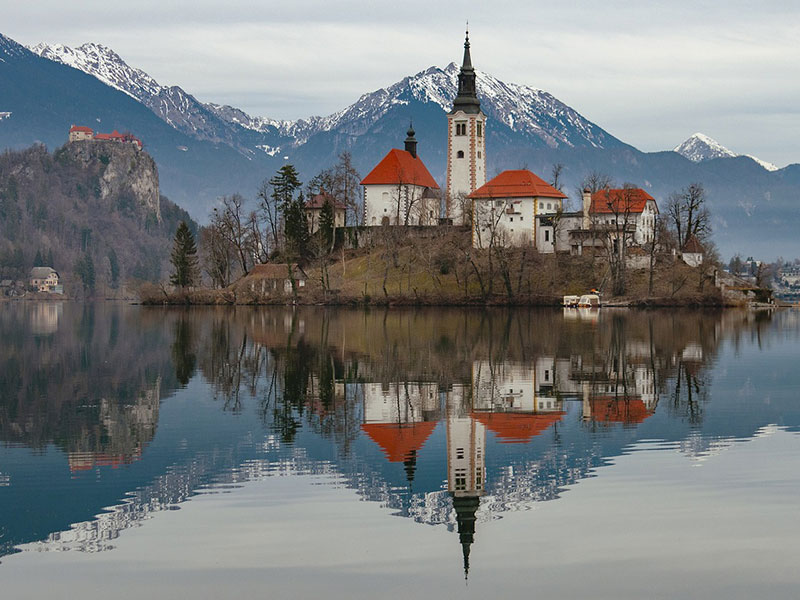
<point x="346" y="187"/>
<point x="655" y="245"/>
<point x="216" y="255"/>
<point x="270" y="210"/>
<point x="231" y="222"/>
<point x="614" y="225"/>
<point x="688" y="213"/>
<point x="594" y="182"/>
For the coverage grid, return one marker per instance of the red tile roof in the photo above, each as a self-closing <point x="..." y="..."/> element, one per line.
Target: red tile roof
<point x="319" y="200"/>
<point x="612" y="409"/>
<point x="399" y="167"/>
<point x="80" y="128"/>
<point x="620" y="201"/>
<point x="102" y="136"/>
<point x="517" y="428"/>
<point x="517" y="184"/>
<point x="399" y="441"/>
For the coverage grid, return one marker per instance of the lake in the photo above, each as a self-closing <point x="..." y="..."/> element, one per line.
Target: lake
<point x="455" y="453"/>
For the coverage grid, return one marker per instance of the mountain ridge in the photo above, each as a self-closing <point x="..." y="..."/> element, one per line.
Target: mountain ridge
<point x="755" y="210"/>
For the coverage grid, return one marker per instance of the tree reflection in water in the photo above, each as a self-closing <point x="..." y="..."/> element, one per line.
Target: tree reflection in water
<point x="446" y="416"/>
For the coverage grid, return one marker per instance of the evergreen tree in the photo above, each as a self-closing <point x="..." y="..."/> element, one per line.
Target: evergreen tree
<point x="296" y="229"/>
<point x="84" y="269"/>
<point x="38" y="261"/>
<point x="284" y="184"/>
<point x="183" y="257"/>
<point x="113" y="265"/>
<point x="50" y="261"/>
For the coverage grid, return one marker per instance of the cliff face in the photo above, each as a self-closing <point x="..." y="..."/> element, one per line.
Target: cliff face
<point x="127" y="176"/>
<point x="91" y="210"/>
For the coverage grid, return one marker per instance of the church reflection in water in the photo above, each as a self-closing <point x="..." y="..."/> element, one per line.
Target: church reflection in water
<point x="445" y="416"/>
<point x="514" y="401"/>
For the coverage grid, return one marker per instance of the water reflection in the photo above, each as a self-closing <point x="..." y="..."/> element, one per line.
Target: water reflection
<point x="446" y="416"/>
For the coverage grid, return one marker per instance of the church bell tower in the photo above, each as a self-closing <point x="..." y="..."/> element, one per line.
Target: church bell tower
<point x="466" y="143"/>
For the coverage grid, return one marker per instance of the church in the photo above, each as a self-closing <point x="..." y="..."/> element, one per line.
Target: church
<point x="401" y="191"/>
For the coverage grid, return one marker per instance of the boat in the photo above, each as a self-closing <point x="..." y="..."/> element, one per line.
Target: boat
<point x="589" y="301"/>
<point x="570" y="301"/>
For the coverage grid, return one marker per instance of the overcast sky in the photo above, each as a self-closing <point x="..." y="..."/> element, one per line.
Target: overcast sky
<point x="650" y="73"/>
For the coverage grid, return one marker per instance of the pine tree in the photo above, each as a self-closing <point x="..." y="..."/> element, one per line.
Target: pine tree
<point x="50" y="261"/>
<point x="183" y="257"/>
<point x="84" y="269"/>
<point x="38" y="261"/>
<point x="296" y="229"/>
<point x="284" y="184"/>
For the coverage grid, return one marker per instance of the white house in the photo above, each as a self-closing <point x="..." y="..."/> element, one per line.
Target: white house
<point x="629" y="206"/>
<point x="400" y="190"/>
<point x="506" y="211"/>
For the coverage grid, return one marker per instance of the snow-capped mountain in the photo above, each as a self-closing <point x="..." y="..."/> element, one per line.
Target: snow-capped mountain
<point x="700" y="147"/>
<point x="533" y="113"/>
<point x="204" y="151"/>
<point x="526" y="110"/>
<point x="170" y="103"/>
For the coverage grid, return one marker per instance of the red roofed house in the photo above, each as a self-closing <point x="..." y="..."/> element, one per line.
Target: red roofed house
<point x="400" y="190"/>
<point x="516" y="401"/>
<point x="400" y="417"/>
<point x="78" y="133"/>
<point x="633" y="206"/>
<point x="515" y="209"/>
<point x="314" y="206"/>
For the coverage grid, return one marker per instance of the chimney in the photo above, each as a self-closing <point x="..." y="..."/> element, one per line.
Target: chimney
<point x="587" y="205"/>
<point x="411" y="142"/>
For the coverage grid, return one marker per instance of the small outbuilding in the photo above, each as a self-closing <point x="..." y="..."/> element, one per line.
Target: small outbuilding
<point x="692" y="252"/>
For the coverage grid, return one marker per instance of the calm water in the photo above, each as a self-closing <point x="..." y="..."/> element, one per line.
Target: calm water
<point x="213" y="453"/>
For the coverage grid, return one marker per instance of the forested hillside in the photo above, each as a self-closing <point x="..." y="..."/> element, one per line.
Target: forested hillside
<point x="91" y="210"/>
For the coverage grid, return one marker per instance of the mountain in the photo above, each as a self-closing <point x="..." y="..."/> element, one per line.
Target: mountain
<point x="205" y="150"/>
<point x="533" y="113"/>
<point x="44" y="98"/>
<point x="699" y="147"/>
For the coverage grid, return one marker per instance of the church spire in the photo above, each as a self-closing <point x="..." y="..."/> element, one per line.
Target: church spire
<point x="411" y="141"/>
<point x="467" y="98"/>
<point x="465" y="507"/>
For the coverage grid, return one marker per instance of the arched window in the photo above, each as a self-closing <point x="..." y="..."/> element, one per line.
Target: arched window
<point x="460" y="154"/>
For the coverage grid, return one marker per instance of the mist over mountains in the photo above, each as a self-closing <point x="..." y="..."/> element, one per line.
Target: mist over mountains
<point x="204" y="150"/>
